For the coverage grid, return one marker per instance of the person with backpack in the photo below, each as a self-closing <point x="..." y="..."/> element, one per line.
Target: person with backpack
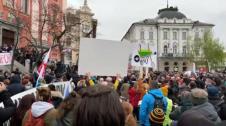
<point x="153" y="107"/>
<point x="42" y="113"/>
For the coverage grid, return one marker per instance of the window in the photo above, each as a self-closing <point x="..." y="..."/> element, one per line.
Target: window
<point x="184" y="49"/>
<point x="142" y="35"/>
<point x="165" y="50"/>
<point x="25" y="6"/>
<point x="184" y="35"/>
<point x="175" y="49"/>
<point x="174" y="35"/>
<point x="196" y="35"/>
<point x="165" y="35"/>
<point x="151" y="36"/>
<point x="8" y="3"/>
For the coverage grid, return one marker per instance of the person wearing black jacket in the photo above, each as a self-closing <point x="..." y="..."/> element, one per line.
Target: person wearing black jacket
<point x="9" y="107"/>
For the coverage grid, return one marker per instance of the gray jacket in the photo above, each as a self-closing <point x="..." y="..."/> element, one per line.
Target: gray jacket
<point x="207" y="110"/>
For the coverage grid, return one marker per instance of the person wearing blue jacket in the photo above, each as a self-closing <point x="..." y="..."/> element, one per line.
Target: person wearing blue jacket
<point x="147" y="104"/>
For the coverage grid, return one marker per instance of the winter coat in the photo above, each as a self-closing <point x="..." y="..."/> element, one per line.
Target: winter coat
<point x="185" y="105"/>
<point x="134" y="97"/>
<point x="15" y="87"/>
<point x="216" y="102"/>
<point x="45" y="109"/>
<point x="67" y="119"/>
<point x="222" y="113"/>
<point x="208" y="111"/>
<point x="9" y="107"/>
<point x="147" y="105"/>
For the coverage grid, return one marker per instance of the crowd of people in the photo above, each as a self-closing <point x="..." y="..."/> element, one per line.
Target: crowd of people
<point x="157" y="99"/>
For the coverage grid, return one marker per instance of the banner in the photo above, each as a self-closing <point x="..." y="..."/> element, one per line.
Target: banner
<point x="60" y="86"/>
<point x="5" y="58"/>
<point x="103" y="57"/>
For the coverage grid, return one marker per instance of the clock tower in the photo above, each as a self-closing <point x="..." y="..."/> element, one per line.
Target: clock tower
<point x="86" y="20"/>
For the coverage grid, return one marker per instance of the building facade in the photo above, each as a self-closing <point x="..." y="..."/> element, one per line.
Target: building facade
<point x="11" y="11"/>
<point x="83" y="24"/>
<point x="171" y="34"/>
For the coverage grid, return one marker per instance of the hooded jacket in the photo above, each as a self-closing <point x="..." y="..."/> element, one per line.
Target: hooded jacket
<point x="15" y="87"/>
<point x="147" y="105"/>
<point x="45" y="109"/>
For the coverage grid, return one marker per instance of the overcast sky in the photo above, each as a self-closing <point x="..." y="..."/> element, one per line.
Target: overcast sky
<point x="116" y="16"/>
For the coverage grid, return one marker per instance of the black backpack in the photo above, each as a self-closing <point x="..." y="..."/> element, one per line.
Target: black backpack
<point x="157" y="114"/>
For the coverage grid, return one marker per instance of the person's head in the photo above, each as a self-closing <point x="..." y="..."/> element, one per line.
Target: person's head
<point x="43" y="94"/>
<point x="192" y="85"/>
<point x="154" y="85"/>
<point x="198" y="96"/>
<point x="213" y="91"/>
<point x="25" y="104"/>
<point x="15" y="79"/>
<point x="99" y="106"/>
<point x="52" y="87"/>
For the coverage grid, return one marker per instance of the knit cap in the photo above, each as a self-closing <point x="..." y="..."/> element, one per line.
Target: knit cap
<point x="157" y="116"/>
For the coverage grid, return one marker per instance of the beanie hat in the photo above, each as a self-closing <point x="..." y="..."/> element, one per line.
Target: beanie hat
<point x="165" y="90"/>
<point x="157" y="116"/>
<point x="212" y="91"/>
<point x="198" y="96"/>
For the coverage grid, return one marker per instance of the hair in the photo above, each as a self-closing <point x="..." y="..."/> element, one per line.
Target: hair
<point x="43" y="94"/>
<point x="52" y="87"/>
<point x="100" y="106"/>
<point x="199" y="96"/>
<point x="25" y="104"/>
<point x="192" y="85"/>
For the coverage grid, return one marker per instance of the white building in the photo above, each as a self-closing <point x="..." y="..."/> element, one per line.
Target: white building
<point x="170" y="34"/>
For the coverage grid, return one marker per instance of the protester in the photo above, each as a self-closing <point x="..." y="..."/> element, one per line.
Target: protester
<point x="56" y="96"/>
<point x="148" y="104"/>
<point x="100" y="106"/>
<point x="24" y="105"/>
<point x="66" y="110"/>
<point x="194" y="118"/>
<point x="223" y="108"/>
<point x="9" y="107"/>
<point x="199" y="98"/>
<point x="128" y="110"/>
<point x="42" y="113"/>
<point x="185" y="104"/>
<point x="214" y="97"/>
<point x="15" y="86"/>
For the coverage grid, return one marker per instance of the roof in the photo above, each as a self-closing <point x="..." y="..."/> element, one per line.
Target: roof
<point x="198" y="23"/>
<point x="170" y="13"/>
<point x="147" y="22"/>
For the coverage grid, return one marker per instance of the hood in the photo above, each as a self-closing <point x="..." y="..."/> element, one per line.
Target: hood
<point x="15" y="79"/>
<point x="39" y="108"/>
<point x="156" y="92"/>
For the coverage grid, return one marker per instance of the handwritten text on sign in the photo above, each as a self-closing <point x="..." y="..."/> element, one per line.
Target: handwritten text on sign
<point x="5" y="58"/>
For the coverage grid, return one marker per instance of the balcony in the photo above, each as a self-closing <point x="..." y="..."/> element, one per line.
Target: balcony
<point x="174" y="55"/>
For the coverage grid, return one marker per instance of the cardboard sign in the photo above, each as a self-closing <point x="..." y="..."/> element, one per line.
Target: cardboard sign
<point x="103" y="57"/>
<point x="5" y="58"/>
<point x="144" y="56"/>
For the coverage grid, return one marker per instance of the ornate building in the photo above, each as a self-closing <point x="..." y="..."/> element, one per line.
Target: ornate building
<point x="171" y="33"/>
<point x="83" y="25"/>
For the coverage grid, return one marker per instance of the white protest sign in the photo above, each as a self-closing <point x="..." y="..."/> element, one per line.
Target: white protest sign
<point x="103" y="57"/>
<point x="5" y="58"/>
<point x="144" y="56"/>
